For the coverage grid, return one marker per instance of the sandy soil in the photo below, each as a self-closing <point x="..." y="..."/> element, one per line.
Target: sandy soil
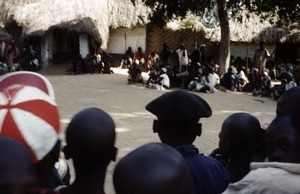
<point x="126" y="104"/>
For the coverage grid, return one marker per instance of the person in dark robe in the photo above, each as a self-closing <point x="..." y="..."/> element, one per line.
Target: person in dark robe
<point x="178" y="113"/>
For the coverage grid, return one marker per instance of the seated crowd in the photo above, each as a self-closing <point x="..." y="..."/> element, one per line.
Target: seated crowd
<point x="248" y="159"/>
<point x="197" y="72"/>
<point x="99" y="62"/>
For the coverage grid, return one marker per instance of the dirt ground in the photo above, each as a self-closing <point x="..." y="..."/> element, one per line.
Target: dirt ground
<point x="126" y="104"/>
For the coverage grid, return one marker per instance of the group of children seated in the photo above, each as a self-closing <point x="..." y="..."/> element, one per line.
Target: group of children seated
<point x="249" y="159"/>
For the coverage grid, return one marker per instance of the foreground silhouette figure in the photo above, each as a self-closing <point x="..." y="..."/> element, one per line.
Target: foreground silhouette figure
<point x="178" y="114"/>
<point x="17" y="171"/>
<point x="152" y="168"/>
<point x="90" y="138"/>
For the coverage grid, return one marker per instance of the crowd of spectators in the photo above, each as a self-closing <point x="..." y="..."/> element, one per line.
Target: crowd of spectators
<point x="262" y="75"/>
<point x="248" y="158"/>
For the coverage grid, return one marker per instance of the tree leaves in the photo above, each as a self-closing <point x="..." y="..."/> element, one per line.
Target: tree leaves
<point x="163" y="10"/>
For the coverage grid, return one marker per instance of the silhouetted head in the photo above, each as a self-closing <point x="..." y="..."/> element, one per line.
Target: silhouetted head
<point x="283" y="141"/>
<point x="90" y="137"/>
<point x="240" y="135"/>
<point x="287" y="101"/>
<point x="165" y="45"/>
<point x="255" y="71"/>
<point x="262" y="44"/>
<point x="153" y="168"/>
<point x="202" y="47"/>
<point x="178" y="113"/>
<point x="17" y="172"/>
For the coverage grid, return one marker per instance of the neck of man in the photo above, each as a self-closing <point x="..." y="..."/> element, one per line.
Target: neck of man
<point x="89" y="178"/>
<point x="240" y="166"/>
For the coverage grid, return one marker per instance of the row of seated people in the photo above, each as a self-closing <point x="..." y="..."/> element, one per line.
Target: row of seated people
<point x="206" y="79"/>
<point x="249" y="159"/>
<point x="195" y="72"/>
<point x="97" y="63"/>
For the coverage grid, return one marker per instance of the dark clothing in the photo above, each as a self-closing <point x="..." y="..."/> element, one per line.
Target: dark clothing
<point x="164" y="54"/>
<point x="134" y="71"/>
<point x="229" y="81"/>
<point x="106" y="59"/>
<point x="210" y="176"/>
<point x="128" y="54"/>
<point x="265" y="86"/>
<point x="195" y="57"/>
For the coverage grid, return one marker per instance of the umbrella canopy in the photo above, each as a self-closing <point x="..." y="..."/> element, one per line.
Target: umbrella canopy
<point x="28" y="113"/>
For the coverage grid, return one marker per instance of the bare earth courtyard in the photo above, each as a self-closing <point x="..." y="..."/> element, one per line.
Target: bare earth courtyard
<point x="126" y="104"/>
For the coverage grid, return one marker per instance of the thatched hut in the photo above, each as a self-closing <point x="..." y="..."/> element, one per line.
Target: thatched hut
<point x="248" y="29"/>
<point x="127" y="26"/>
<point x="72" y="26"/>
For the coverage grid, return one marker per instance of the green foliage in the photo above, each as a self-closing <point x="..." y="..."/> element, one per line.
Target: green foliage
<point x="287" y="10"/>
<point x="190" y="21"/>
<point x="163" y="10"/>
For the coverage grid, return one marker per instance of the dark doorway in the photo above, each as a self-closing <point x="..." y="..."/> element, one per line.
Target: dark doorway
<point x="288" y="50"/>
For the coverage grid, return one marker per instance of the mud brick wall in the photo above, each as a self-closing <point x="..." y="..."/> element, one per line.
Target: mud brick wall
<point x="157" y="36"/>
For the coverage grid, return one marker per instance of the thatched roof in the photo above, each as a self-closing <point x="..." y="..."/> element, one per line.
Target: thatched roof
<point x="93" y="17"/>
<point x="126" y="14"/>
<point x="249" y="27"/>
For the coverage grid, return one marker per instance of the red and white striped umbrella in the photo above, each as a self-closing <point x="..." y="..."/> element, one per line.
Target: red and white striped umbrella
<point x="29" y="115"/>
<point x="28" y="78"/>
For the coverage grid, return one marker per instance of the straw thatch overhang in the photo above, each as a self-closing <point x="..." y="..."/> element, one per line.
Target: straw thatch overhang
<point x="76" y="16"/>
<point x="92" y="17"/>
<point x="124" y="13"/>
<point x="249" y="27"/>
<point x="82" y="26"/>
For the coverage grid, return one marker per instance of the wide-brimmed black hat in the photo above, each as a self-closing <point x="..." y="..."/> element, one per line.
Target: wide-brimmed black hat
<point x="179" y="106"/>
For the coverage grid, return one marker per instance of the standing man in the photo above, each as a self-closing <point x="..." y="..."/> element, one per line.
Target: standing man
<point x="261" y="56"/>
<point x="203" y="55"/>
<point x="164" y="53"/>
<point x="12" y="54"/>
<point x="182" y="57"/>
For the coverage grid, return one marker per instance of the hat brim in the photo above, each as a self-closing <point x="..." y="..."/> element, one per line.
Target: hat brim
<point x="179" y="106"/>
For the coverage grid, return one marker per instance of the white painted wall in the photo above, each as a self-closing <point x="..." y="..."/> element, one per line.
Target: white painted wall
<point x="47" y="48"/>
<point x="121" y="38"/>
<point x="83" y="45"/>
<point x="240" y="49"/>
